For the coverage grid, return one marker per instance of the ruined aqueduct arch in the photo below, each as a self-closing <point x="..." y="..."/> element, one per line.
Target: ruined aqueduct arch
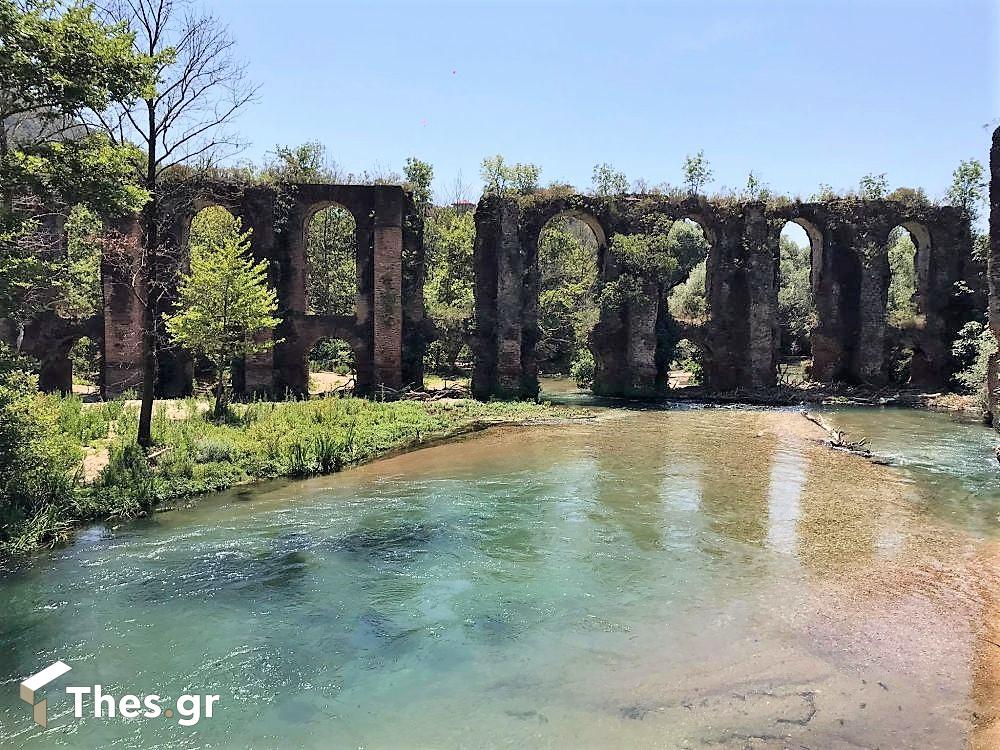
<point x="388" y="333"/>
<point x="850" y="279"/>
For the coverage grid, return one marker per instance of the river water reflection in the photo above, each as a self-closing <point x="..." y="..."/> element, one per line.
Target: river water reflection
<point x="663" y="578"/>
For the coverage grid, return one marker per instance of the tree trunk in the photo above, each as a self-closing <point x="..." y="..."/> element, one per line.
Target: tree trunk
<point x="149" y="318"/>
<point x="220" y="373"/>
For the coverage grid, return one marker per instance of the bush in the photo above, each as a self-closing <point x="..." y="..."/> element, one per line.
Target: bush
<point x="38" y="466"/>
<point x="689" y="357"/>
<point x="582" y="369"/>
<point x="126" y="487"/>
<point x="972" y="350"/>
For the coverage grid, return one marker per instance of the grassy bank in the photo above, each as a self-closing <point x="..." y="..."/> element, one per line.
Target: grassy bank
<point x="90" y="468"/>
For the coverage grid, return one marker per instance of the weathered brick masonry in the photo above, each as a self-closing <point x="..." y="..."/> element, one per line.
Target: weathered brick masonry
<point x="850" y="278"/>
<point x="388" y="333"/>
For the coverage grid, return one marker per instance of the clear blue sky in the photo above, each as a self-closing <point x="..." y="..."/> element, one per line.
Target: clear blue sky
<point x="800" y="91"/>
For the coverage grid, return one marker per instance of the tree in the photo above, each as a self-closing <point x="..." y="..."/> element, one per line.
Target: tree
<point x="179" y="122"/>
<point x="57" y="62"/>
<point x="224" y="302"/>
<point x="500" y="178"/>
<point x="968" y="187"/>
<point x="697" y="173"/>
<point x="567" y="305"/>
<point x="419" y="175"/>
<point x="688" y="300"/>
<point x="755" y="189"/>
<point x="873" y="187"/>
<point x="305" y="163"/>
<point x="607" y="181"/>
<point x="796" y="308"/>
<point x="331" y="258"/>
<point x="449" y="235"/>
<point x="901" y="304"/>
<point x="825" y="193"/>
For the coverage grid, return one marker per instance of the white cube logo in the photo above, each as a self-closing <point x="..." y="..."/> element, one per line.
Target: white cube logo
<point x="35" y="683"/>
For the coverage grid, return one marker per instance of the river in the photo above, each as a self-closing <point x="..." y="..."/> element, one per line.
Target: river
<point x="675" y="578"/>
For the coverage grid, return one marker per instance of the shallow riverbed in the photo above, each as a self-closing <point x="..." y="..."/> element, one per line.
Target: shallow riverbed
<point x="677" y="578"/>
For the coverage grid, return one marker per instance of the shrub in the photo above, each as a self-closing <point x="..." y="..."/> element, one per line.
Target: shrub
<point x="125" y="486"/>
<point x="38" y="465"/>
<point x="582" y="369"/>
<point x="972" y="350"/>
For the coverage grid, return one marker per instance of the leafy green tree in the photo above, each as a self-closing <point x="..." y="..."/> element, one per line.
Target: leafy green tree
<point x="968" y="187"/>
<point x="182" y="125"/>
<point x="825" y="193"/>
<point x="901" y="305"/>
<point x="697" y="173"/>
<point x="755" y="189"/>
<point x="567" y="305"/>
<point x="873" y="187"/>
<point x="331" y="257"/>
<point x="81" y="291"/>
<point x="449" y="235"/>
<point x="57" y="62"/>
<point x="687" y="301"/>
<point x="419" y="175"/>
<point x="972" y="350"/>
<point x="607" y="181"/>
<point x="796" y="307"/>
<point x="500" y="178"/>
<point x="305" y="163"/>
<point x="915" y="197"/>
<point x="224" y="302"/>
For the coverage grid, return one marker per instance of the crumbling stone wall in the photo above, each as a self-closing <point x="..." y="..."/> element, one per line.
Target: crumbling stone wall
<point x="741" y="338"/>
<point x="388" y="333"/>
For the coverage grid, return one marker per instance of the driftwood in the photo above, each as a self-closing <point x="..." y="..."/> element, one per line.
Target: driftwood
<point x="837" y="439"/>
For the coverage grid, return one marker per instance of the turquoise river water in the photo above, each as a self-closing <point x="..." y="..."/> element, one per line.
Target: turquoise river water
<point x="675" y="578"/>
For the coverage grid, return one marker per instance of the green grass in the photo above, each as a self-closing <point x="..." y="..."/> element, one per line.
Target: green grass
<point x="254" y="441"/>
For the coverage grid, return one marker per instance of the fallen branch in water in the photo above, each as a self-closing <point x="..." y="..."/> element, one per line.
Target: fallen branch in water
<point x="838" y="440"/>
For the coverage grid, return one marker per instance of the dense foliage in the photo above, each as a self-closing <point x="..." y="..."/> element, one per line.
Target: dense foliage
<point x="224" y="302"/>
<point x="449" y="234"/>
<point x="567" y="302"/>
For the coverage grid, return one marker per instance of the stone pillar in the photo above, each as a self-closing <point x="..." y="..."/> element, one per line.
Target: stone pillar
<point x="727" y="333"/>
<point x="868" y="363"/>
<point x="760" y="240"/>
<point x="827" y="337"/>
<point x="121" y="277"/>
<point x="289" y="357"/>
<point x="417" y="332"/>
<point x="387" y="297"/>
<point x="641" y="353"/>
<point x="510" y="275"/>
<point x="506" y="289"/>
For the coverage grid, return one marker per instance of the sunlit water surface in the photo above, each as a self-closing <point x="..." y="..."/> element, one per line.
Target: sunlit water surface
<point x="663" y="578"/>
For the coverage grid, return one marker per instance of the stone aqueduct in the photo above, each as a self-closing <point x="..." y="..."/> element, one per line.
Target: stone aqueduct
<point x="388" y="333"/>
